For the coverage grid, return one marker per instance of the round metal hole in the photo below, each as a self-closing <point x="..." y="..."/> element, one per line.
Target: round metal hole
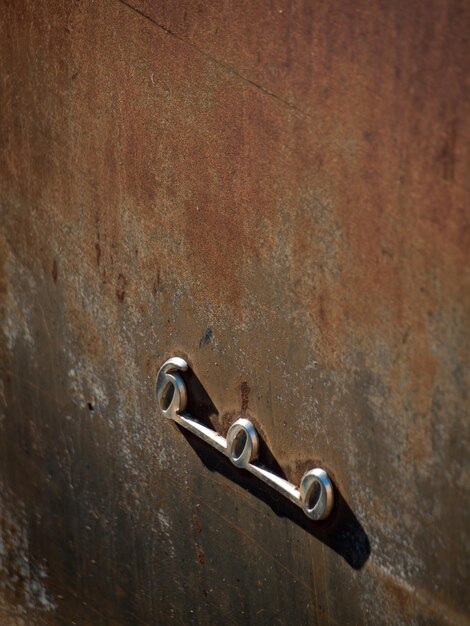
<point x="167" y="396"/>
<point x="313" y="496"/>
<point x="239" y="444"/>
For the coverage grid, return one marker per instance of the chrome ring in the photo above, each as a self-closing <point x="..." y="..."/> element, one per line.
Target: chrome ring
<point x="242" y="432"/>
<point x="170" y="388"/>
<point x="318" y="481"/>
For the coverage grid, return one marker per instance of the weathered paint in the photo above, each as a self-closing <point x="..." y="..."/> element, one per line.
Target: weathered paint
<point x="279" y="192"/>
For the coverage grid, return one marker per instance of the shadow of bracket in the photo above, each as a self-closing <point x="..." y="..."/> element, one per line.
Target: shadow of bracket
<point x="342" y="531"/>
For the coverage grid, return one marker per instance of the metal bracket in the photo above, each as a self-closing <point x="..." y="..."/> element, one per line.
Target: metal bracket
<point x="314" y="496"/>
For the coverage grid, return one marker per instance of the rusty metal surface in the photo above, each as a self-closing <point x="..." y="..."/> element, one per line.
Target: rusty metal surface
<point x="278" y="192"/>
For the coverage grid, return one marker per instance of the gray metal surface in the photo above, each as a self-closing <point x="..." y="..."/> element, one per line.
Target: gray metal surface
<point x="279" y="193"/>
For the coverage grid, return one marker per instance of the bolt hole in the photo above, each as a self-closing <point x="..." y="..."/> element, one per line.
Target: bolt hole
<point x="313" y="496"/>
<point x="167" y="396"/>
<point x="239" y="444"/>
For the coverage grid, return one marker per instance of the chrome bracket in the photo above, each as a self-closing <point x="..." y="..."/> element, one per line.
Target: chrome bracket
<point x="314" y="496"/>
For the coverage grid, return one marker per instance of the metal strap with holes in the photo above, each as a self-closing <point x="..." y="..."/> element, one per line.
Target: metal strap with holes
<point x="315" y="494"/>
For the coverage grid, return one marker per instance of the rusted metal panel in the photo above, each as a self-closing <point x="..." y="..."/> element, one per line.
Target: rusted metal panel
<point x="277" y="192"/>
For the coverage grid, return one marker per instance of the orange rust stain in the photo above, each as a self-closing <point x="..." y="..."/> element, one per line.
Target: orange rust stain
<point x="55" y="270"/>
<point x="197" y="522"/>
<point x="121" y="287"/>
<point x="245" y="393"/>
<point x="201" y="557"/>
<point x="98" y="253"/>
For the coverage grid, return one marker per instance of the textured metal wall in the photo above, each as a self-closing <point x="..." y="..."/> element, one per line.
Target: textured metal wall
<point x="279" y="192"/>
